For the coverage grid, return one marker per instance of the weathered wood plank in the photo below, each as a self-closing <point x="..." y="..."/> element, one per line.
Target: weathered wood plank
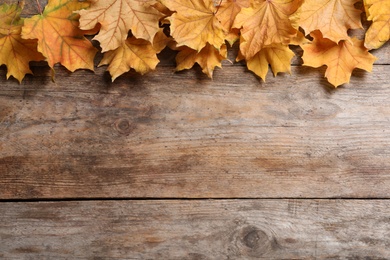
<point x="207" y="229"/>
<point x="183" y="135"/>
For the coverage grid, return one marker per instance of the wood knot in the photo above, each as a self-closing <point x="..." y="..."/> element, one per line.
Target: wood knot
<point x="254" y="242"/>
<point x="123" y="126"/>
<point x="254" y="238"/>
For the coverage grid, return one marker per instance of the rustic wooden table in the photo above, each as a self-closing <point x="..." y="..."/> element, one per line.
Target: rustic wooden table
<point x="178" y="166"/>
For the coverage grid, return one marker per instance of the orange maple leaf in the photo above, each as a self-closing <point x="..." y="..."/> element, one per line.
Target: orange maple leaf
<point x="117" y="17"/>
<point x="208" y="58"/>
<point x="378" y="11"/>
<point x="194" y="23"/>
<point x="341" y="59"/>
<point x="15" y="52"/>
<point x="59" y="37"/>
<point x="332" y="17"/>
<point x="277" y="55"/>
<point x="138" y="54"/>
<point x="264" y="23"/>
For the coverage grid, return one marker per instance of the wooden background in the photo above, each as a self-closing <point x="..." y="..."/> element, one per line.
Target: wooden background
<point x="178" y="166"/>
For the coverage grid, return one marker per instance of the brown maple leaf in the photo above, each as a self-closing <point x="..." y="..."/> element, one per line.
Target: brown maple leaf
<point x="194" y="23"/>
<point x="264" y="23"/>
<point x="378" y="11"/>
<point x="59" y="37"/>
<point x="341" y="59"/>
<point x="15" y="52"/>
<point x="117" y="17"/>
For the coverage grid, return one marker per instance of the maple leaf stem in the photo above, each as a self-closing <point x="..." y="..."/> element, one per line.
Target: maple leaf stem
<point x="39" y="6"/>
<point x="217" y="6"/>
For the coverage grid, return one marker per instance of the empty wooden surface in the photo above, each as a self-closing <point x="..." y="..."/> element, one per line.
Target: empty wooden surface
<point x="196" y="229"/>
<point x="184" y="135"/>
<point x="178" y="166"/>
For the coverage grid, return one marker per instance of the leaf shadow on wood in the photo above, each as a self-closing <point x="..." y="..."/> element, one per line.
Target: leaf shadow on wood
<point x="196" y="73"/>
<point x="359" y="75"/>
<point x="33" y="83"/>
<point x="305" y="74"/>
<point x="382" y="54"/>
<point x="129" y="81"/>
<point x="167" y="58"/>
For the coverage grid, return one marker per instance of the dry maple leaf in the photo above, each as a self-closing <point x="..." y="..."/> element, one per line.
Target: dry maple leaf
<point x="264" y="23"/>
<point x="138" y="54"/>
<point x="341" y="59"/>
<point x="332" y="17"/>
<point x="117" y="17"/>
<point x="59" y="37"/>
<point x="226" y="13"/>
<point x="161" y="41"/>
<point x="208" y="58"/>
<point x="277" y="55"/>
<point x="15" y="52"/>
<point x="228" y="10"/>
<point x="9" y="18"/>
<point x="378" y="11"/>
<point x="194" y="23"/>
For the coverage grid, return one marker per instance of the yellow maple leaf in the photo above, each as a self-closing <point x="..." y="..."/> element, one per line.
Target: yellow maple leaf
<point x="378" y="11"/>
<point x="161" y="41"/>
<point x="9" y="18"/>
<point x="332" y="17"/>
<point x="15" y="52"/>
<point x="264" y="23"/>
<point x="208" y="58"/>
<point x="228" y="10"/>
<point x="59" y="37"/>
<point x="226" y="13"/>
<point x="138" y="54"/>
<point x="277" y="55"/>
<point x="194" y="23"/>
<point x="341" y="59"/>
<point x="117" y="17"/>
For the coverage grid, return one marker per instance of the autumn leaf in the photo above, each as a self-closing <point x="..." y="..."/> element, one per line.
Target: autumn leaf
<point x="162" y="9"/>
<point x="161" y="41"/>
<point x="226" y="13"/>
<point x="341" y="59"/>
<point x="378" y="11"/>
<point x="228" y="10"/>
<point x="117" y="17"/>
<point x="131" y="34"/>
<point x="332" y="17"/>
<point x="277" y="55"/>
<point x="194" y="23"/>
<point x="264" y="23"/>
<point x="15" y="52"/>
<point x="208" y="58"/>
<point x="138" y="54"/>
<point x="9" y="18"/>
<point x="59" y="38"/>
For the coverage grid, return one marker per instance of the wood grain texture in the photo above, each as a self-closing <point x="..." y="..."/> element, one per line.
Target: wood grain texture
<point x="206" y="229"/>
<point x="183" y="135"/>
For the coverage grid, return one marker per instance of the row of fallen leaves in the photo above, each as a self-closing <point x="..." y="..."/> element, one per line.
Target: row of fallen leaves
<point x="131" y="34"/>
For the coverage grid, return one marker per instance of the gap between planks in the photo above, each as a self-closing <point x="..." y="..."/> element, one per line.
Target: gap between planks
<point x="92" y="199"/>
